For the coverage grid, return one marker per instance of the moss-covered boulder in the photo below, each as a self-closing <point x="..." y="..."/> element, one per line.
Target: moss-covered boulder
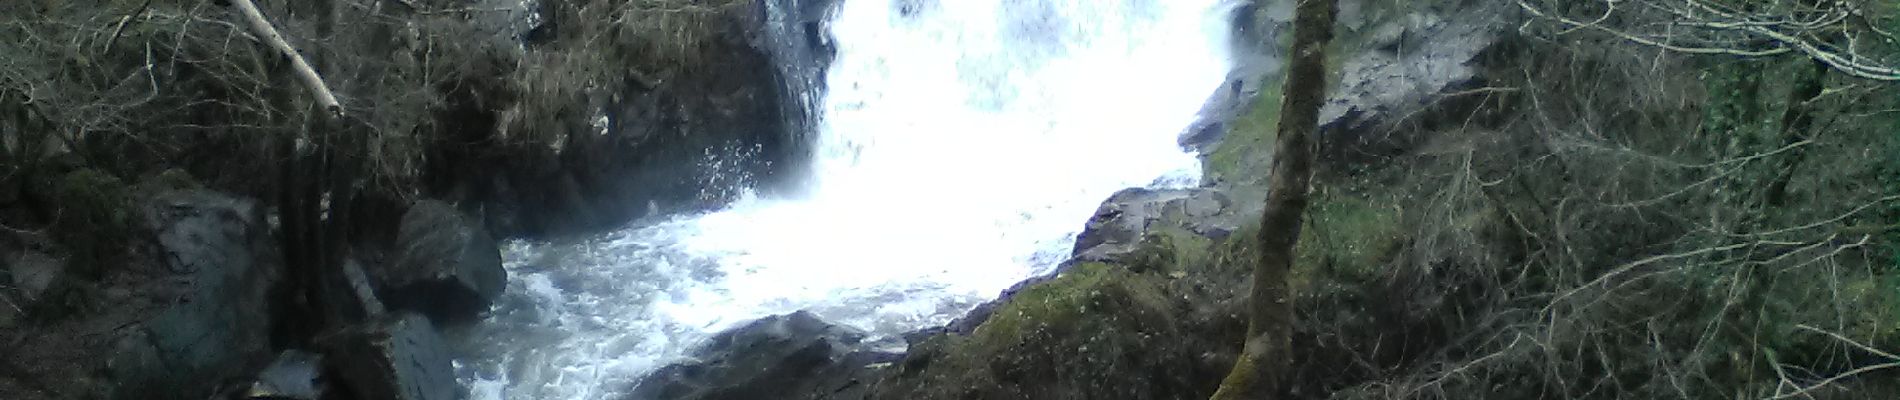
<point x="1150" y="230"/>
<point x="1097" y="331"/>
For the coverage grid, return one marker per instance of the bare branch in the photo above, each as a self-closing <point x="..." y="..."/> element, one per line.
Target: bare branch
<point x="302" y="68"/>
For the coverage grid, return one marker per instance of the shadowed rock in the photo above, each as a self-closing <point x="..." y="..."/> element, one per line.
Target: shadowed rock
<point x="792" y="356"/>
<point x="398" y="358"/>
<point x="219" y="321"/>
<point x="446" y="266"/>
<point x="295" y="375"/>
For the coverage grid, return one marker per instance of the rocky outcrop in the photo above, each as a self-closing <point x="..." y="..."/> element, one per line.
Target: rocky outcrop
<point x="1117" y="231"/>
<point x="1140" y="312"/>
<point x="1097" y="331"/>
<point x="795" y="34"/>
<point x="1418" y="67"/>
<point x="446" y="266"/>
<point x="191" y="305"/>
<point x="792" y="356"/>
<point x="221" y="321"/>
<point x="669" y="135"/>
<point x="400" y="357"/>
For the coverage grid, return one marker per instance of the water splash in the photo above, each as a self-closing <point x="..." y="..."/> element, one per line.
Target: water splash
<point x="961" y="146"/>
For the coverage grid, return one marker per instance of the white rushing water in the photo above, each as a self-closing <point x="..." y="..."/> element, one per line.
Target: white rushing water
<point x="962" y="145"/>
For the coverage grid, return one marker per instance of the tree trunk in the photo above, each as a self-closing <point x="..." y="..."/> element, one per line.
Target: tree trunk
<point x="1263" y="360"/>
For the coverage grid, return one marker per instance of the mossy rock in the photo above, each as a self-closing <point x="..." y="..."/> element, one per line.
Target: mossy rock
<point x="1246" y="150"/>
<point x="1098" y="331"/>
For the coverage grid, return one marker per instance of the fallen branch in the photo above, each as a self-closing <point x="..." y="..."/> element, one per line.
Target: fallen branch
<point x="302" y="68"/>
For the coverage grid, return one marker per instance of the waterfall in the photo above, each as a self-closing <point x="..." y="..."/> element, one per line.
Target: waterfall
<point x="961" y="145"/>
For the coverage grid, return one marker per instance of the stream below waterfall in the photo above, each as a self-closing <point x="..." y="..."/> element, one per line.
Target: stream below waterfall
<point x="961" y="146"/>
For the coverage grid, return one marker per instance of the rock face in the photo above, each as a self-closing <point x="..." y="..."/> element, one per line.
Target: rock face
<point x="446" y="266"/>
<point x="398" y="358"/>
<point x="793" y="356"/>
<point x="218" y="320"/>
<point x="1416" y="68"/>
<point x="795" y="34"/>
<point x="680" y="135"/>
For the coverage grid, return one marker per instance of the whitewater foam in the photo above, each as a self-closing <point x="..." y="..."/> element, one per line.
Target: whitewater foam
<point x="961" y="146"/>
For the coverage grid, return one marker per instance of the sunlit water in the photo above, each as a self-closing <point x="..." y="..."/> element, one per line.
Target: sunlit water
<point x="962" y="145"/>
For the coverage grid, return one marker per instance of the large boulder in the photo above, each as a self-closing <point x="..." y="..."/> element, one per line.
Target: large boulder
<point x="446" y="266"/>
<point x="793" y="356"/>
<point x="399" y="357"/>
<point x="206" y="314"/>
<point x="1096" y="331"/>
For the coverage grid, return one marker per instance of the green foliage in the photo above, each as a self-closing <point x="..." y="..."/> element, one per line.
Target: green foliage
<point x="1348" y="238"/>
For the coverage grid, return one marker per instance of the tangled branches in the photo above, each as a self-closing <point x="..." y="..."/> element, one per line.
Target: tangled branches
<point x="1851" y="37"/>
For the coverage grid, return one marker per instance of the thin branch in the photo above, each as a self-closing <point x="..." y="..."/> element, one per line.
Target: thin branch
<point x="302" y="68"/>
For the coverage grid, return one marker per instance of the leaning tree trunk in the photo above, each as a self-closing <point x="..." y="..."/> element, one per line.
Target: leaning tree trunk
<point x="1263" y="360"/>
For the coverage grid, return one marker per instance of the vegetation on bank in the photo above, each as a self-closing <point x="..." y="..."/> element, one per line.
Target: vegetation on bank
<point x="1615" y="222"/>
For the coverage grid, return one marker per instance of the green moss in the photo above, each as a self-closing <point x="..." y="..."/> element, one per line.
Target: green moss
<point x="1347" y="237"/>
<point x="1240" y="381"/>
<point x="1065" y="301"/>
<point x="1095" y="331"/>
<point x="1241" y="159"/>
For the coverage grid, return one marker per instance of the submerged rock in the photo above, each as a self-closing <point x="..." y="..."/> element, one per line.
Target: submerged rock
<point x="400" y="357"/>
<point x="446" y="265"/>
<point x="792" y="356"/>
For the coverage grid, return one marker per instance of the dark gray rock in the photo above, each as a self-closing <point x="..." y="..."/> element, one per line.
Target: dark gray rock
<point x="795" y="35"/>
<point x="673" y="139"/>
<point x="214" y="323"/>
<point x="446" y="266"/>
<point x="400" y="357"/>
<point x="295" y="375"/>
<point x="1414" y="68"/>
<point x="793" y="356"/>
<point x="27" y="272"/>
